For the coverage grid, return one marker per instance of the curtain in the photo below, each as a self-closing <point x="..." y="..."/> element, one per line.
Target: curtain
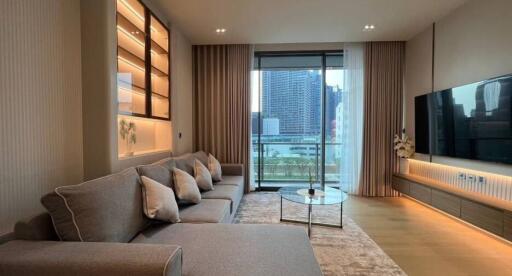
<point x="221" y="83"/>
<point x="384" y="70"/>
<point x="352" y="122"/>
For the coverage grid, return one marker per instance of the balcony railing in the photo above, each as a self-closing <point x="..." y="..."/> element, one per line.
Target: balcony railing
<point x="292" y="162"/>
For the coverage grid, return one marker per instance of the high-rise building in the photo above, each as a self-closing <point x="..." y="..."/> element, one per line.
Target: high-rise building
<point x="333" y="99"/>
<point x="294" y="98"/>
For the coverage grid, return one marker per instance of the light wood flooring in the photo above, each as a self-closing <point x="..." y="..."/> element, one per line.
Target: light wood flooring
<point x="423" y="241"/>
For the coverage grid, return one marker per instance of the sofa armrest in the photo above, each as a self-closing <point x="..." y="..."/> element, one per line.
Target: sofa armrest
<point x="232" y="169"/>
<point x="88" y="258"/>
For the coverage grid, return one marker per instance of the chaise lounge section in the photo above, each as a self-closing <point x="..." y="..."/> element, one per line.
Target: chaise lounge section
<point x="102" y="230"/>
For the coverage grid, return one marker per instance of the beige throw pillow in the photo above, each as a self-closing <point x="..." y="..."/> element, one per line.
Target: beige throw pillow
<point x="186" y="187"/>
<point x="203" y="176"/>
<point x="159" y="201"/>
<point x="214" y="167"/>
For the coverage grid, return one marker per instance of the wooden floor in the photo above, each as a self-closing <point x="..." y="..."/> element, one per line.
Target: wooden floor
<point x="425" y="242"/>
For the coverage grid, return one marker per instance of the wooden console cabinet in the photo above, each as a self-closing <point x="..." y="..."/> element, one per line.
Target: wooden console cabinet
<point x="492" y="215"/>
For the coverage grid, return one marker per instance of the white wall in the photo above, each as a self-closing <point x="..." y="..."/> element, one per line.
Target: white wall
<point x="472" y="43"/>
<point x="181" y="83"/>
<point x="40" y="103"/>
<point x="182" y="95"/>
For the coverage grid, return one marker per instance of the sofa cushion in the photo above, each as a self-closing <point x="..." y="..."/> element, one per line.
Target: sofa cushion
<point x="207" y="211"/>
<point x="234" y="180"/>
<point x="107" y="209"/>
<point x="238" y="249"/>
<point x="158" y="173"/>
<point x="202" y="157"/>
<point x="232" y="169"/>
<point x="167" y="163"/>
<point x="215" y="168"/>
<point x="185" y="187"/>
<point x="185" y="163"/>
<point x="50" y="258"/>
<point x="202" y="176"/>
<point x="36" y="228"/>
<point x="228" y="192"/>
<point x="159" y="201"/>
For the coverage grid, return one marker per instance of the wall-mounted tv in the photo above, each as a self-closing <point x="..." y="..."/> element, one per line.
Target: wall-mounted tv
<point x="472" y="121"/>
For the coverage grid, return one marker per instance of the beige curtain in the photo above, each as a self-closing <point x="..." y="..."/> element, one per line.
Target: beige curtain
<point x="222" y="102"/>
<point x="383" y="77"/>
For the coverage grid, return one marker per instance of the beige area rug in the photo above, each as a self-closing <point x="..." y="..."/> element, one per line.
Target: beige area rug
<point x="347" y="251"/>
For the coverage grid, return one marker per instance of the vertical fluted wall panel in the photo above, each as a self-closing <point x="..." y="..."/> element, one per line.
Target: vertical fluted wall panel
<point x="497" y="186"/>
<point x="40" y="103"/>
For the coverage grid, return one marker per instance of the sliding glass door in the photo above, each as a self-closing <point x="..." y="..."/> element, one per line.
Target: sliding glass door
<point x="334" y="123"/>
<point x="295" y="97"/>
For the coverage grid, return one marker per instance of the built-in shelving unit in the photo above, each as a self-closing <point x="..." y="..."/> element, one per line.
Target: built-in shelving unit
<point x="143" y="80"/>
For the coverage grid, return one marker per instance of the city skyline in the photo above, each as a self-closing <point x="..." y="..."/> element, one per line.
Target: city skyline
<point x="291" y="101"/>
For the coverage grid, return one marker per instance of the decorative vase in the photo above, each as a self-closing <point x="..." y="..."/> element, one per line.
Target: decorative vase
<point x="311" y="191"/>
<point x="403" y="166"/>
<point x="129" y="151"/>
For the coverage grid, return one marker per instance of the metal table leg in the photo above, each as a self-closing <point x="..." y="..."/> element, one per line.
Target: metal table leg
<point x="309" y="219"/>
<point x="341" y="215"/>
<point x="281" y="212"/>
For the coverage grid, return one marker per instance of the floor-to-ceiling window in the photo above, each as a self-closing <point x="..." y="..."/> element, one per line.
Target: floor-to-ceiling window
<point x="296" y="114"/>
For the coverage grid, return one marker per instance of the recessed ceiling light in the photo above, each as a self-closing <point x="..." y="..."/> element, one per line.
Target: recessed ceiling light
<point x="369" y="27"/>
<point x="220" y="30"/>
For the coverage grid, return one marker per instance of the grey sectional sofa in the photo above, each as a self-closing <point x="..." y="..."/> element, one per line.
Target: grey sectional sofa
<point x="106" y="233"/>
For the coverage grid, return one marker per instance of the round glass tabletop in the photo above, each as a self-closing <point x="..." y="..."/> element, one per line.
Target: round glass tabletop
<point x="327" y="196"/>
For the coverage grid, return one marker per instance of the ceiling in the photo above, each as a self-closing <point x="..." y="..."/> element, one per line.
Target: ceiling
<point x="302" y="21"/>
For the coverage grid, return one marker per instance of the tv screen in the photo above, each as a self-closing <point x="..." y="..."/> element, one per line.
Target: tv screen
<point x="472" y="121"/>
<point x="421" y="120"/>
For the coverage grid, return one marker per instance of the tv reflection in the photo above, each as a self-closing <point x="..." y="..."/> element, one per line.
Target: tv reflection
<point x="474" y="121"/>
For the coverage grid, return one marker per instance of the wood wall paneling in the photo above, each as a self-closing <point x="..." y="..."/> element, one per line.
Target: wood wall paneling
<point x="496" y="186"/>
<point x="40" y="103"/>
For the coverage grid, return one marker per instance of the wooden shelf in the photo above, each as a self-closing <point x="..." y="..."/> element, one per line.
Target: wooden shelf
<point x="128" y="26"/>
<point x="143" y="153"/>
<point x="125" y="24"/>
<point x="126" y="113"/>
<point x="158" y="95"/>
<point x="137" y="61"/>
<point x="158" y="49"/>
<point x="139" y="89"/>
<point x="134" y="85"/>
<point x="143" y="53"/>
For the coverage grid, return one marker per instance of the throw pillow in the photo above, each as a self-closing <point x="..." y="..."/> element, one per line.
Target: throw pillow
<point x="203" y="176"/>
<point x="215" y="169"/>
<point x="107" y="209"/>
<point x="158" y="173"/>
<point x="158" y="201"/>
<point x="186" y="187"/>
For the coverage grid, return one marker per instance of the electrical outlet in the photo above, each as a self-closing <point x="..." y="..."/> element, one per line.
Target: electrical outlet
<point x="481" y="180"/>
<point x="471" y="178"/>
<point x="462" y="176"/>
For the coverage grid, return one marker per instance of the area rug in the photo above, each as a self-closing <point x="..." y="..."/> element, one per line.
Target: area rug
<point x="347" y="251"/>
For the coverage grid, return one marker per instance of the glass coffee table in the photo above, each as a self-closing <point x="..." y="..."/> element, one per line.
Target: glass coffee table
<point x="327" y="196"/>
